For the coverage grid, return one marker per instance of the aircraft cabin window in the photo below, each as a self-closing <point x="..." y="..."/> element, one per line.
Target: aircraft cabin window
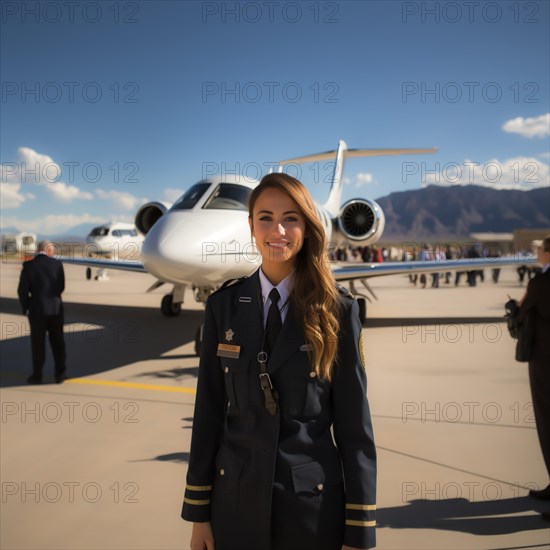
<point x="229" y="196"/>
<point x="116" y="233"/>
<point x="190" y="197"/>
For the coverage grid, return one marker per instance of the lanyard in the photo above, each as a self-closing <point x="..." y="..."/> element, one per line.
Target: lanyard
<point x="271" y="396"/>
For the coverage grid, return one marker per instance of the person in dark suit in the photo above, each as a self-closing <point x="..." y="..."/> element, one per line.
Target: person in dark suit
<point x="40" y="286"/>
<point x="281" y="368"/>
<point x="537" y="301"/>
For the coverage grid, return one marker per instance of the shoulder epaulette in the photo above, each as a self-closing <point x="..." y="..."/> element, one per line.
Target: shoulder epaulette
<point x="230" y="283"/>
<point x="344" y="291"/>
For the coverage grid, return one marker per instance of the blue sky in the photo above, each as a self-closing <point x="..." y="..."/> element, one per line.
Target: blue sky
<point x="116" y="103"/>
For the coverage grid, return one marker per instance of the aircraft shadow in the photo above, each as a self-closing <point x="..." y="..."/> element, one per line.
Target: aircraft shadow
<point x="110" y="336"/>
<point x="487" y="517"/>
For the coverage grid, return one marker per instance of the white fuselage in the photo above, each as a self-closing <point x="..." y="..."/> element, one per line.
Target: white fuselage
<point x="117" y="240"/>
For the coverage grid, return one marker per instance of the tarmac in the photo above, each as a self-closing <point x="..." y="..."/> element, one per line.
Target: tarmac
<point x="99" y="462"/>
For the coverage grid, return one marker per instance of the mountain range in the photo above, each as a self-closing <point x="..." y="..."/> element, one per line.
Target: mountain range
<point x="437" y="211"/>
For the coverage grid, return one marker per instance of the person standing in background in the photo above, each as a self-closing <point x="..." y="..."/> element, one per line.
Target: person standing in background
<point x="537" y="302"/>
<point x="41" y="284"/>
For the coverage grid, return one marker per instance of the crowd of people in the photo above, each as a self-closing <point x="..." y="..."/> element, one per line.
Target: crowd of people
<point x="370" y="254"/>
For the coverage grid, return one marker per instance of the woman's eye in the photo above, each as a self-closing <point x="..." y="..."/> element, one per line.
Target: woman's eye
<point x="265" y="219"/>
<point x="291" y="219"/>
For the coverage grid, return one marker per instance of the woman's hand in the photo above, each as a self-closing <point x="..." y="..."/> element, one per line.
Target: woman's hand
<point x="202" y="537"/>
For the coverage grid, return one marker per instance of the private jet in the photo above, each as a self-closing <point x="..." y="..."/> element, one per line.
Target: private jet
<point x="114" y="240"/>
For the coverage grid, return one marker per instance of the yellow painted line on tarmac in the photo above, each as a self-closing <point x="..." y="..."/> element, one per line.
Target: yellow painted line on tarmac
<point x="135" y="385"/>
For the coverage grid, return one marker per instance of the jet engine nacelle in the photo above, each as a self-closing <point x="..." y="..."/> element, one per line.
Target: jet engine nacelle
<point x="148" y="214"/>
<point x="361" y="221"/>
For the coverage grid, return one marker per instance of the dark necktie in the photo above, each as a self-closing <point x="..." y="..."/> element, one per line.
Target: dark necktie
<point x="274" y="322"/>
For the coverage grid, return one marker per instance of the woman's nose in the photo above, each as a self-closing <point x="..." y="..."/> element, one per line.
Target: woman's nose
<point x="280" y="229"/>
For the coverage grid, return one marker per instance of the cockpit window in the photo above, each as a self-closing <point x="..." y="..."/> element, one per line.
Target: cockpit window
<point x="229" y="196"/>
<point x="99" y="232"/>
<point x="190" y="197"/>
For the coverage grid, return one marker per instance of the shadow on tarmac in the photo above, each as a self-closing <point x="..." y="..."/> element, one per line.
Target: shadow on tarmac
<point x="108" y="337"/>
<point x="462" y="515"/>
<point x="169" y="457"/>
<point x="174" y="374"/>
<point x="132" y="334"/>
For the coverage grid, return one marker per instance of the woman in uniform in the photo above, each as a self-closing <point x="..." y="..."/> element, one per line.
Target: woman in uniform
<point x="282" y="450"/>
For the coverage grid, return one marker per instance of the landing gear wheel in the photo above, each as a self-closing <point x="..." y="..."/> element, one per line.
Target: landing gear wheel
<point x="198" y="340"/>
<point x="362" y="303"/>
<point x="168" y="307"/>
<point x="88" y="273"/>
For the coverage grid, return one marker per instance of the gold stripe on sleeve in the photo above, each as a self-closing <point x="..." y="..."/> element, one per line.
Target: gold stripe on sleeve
<point x="199" y="487"/>
<point x="196" y="502"/>
<point x="354" y="523"/>
<point x="361" y="506"/>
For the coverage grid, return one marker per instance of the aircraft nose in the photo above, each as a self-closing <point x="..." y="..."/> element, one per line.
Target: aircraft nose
<point x="165" y="244"/>
<point x="186" y="246"/>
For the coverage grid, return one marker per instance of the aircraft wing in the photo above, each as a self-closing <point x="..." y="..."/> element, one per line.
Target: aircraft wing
<point x="124" y="265"/>
<point x="352" y="271"/>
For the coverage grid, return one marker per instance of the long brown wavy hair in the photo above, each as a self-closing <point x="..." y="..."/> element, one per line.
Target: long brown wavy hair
<point x="314" y="296"/>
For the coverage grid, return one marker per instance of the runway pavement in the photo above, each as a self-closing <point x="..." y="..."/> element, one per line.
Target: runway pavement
<point x="99" y="462"/>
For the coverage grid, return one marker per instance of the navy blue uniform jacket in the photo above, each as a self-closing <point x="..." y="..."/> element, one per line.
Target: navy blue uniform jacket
<point x="280" y="482"/>
<point x="40" y="287"/>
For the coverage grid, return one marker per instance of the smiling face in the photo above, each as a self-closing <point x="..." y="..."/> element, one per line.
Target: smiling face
<point x="279" y="229"/>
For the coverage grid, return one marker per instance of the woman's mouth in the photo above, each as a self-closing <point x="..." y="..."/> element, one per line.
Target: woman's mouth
<point x="277" y="244"/>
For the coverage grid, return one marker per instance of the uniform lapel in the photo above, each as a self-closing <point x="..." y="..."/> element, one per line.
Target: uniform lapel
<point x="248" y="313"/>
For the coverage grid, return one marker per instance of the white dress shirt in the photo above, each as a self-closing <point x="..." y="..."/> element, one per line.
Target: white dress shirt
<point x="284" y="288"/>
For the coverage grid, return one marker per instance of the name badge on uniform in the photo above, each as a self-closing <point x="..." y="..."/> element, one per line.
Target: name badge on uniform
<point x="228" y="350"/>
<point x="306" y="347"/>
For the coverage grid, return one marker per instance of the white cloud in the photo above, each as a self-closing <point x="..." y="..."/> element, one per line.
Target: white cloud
<point x="522" y="173"/>
<point x="66" y="193"/>
<point x="10" y="186"/>
<point x="121" y="199"/>
<point x="36" y="167"/>
<point x="529" y="127"/>
<point x="360" y="179"/>
<point x="39" y="169"/>
<point x="363" y="178"/>
<point x="10" y="196"/>
<point x="53" y="223"/>
<point x="172" y="195"/>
